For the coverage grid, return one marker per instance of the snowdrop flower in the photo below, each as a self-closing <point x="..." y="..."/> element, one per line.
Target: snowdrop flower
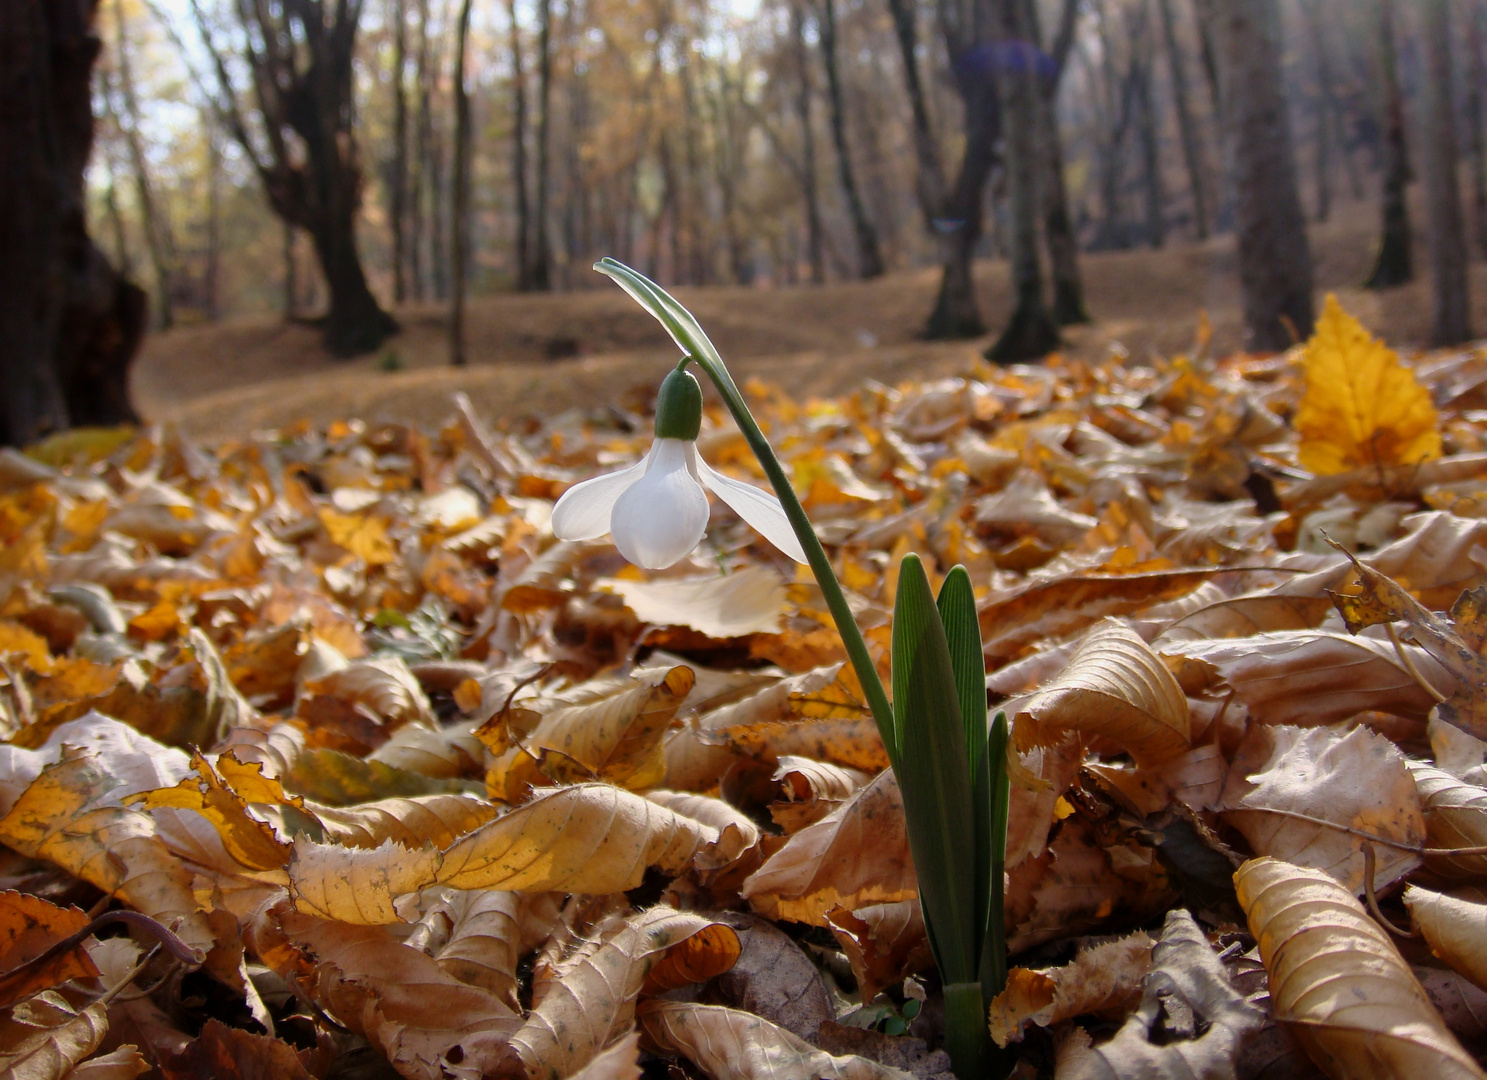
<point x="657" y="508"/>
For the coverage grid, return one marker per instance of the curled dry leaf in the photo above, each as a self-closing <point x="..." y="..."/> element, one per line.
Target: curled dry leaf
<point x="591" y="838"/>
<point x="1454" y="924"/>
<point x="1104" y="979"/>
<point x="1184" y="967"/>
<point x="115" y="849"/>
<point x="1455" y="817"/>
<point x="812" y="789"/>
<point x="49" y="1036"/>
<point x="884" y="943"/>
<point x="612" y="728"/>
<point x="1353" y="780"/>
<point x="225" y="1053"/>
<point x="856" y="856"/>
<point x="773" y="978"/>
<point x="727" y="1044"/>
<point x="1339" y="984"/>
<point x="593" y="1003"/>
<point x="1116" y="687"/>
<point x="619" y="1062"/>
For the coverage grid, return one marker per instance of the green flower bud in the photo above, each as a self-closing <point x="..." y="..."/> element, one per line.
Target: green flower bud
<point x="679" y="406"/>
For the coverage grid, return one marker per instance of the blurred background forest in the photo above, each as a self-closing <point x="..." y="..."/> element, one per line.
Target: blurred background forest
<point x="292" y="181"/>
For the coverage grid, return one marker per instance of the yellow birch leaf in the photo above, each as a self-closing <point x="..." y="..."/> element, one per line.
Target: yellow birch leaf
<point x="1338" y="983"/>
<point x="1361" y="406"/>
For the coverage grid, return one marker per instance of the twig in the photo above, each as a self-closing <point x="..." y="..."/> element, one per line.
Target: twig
<point x="1409" y="665"/>
<point x="113" y="991"/>
<point x="174" y="945"/>
<point x="1399" y="845"/>
<point x="1370" y="862"/>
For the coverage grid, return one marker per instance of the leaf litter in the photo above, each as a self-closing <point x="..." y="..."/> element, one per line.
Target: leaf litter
<point x="404" y="783"/>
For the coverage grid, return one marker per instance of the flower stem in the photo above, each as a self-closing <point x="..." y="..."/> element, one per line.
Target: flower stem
<point x="688" y="334"/>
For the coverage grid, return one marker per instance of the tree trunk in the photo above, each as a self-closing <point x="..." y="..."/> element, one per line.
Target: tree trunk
<point x="423" y="142"/>
<point x="1187" y="129"/>
<point x="815" y="246"/>
<point x="956" y="314"/>
<point x="158" y="240"/>
<point x="1058" y="229"/>
<point x="400" y="150"/>
<point x="1476" y="74"/>
<point x="1143" y="60"/>
<point x="1451" y="315"/>
<point x="1394" y="264"/>
<point x="1030" y="333"/>
<point x="212" y="281"/>
<point x="69" y="324"/>
<point x="290" y="300"/>
<point x="523" y="255"/>
<point x="460" y="240"/>
<point x="869" y="253"/>
<point x="1275" y="272"/>
<point x="1324" y="109"/>
<point x="929" y="177"/>
<point x="541" y="253"/>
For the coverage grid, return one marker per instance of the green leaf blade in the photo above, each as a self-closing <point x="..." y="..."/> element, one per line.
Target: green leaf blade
<point x="934" y="777"/>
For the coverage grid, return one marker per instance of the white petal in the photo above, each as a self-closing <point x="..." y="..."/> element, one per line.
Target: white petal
<point x="759" y="508"/>
<point x="584" y="510"/>
<point x="661" y="517"/>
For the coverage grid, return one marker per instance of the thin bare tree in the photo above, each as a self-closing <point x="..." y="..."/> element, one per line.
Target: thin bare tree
<point x="1450" y="308"/>
<point x="869" y="250"/>
<point x="1394" y="263"/>
<point x="460" y="238"/>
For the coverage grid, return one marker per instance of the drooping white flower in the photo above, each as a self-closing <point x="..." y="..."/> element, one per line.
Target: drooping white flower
<point x="657" y="508"/>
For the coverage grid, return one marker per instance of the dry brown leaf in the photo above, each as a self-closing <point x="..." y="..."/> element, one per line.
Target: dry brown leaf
<point x="727" y="1044"/>
<point x="1339" y="984"/>
<point x="747" y="601"/>
<point x="29" y="926"/>
<point x="125" y="1063"/>
<point x="251" y="842"/>
<point x="812" y="789"/>
<point x="1312" y="677"/>
<point x="591" y="838"/>
<point x="593" y="1003"/>
<point x="47" y="1036"/>
<point x="1184" y="968"/>
<point x="1115" y="687"/>
<point x="612" y="728"/>
<point x="1455" y="816"/>
<point x="224" y="1053"/>
<point x="1354" y="779"/>
<point x="773" y="978"/>
<point x="856" y="856"/>
<point x="1453" y="925"/>
<point x="482" y="940"/>
<point x="619" y="1062"/>
<point x="58" y="819"/>
<point x="1104" y="978"/>
<point x="884" y="943"/>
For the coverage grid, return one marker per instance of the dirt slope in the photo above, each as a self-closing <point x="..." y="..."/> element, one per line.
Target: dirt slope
<point x="541" y="354"/>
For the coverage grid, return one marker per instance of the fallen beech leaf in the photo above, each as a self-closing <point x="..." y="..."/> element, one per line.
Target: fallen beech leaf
<point x="593" y="1002"/>
<point x="812" y="789"/>
<point x="50" y="1037"/>
<point x="1314" y="677"/>
<point x="1383" y="600"/>
<point x="485" y="939"/>
<point x="1184" y="967"/>
<point x="773" y="978"/>
<point x="613" y="728"/>
<point x="1355" y="778"/>
<point x="747" y="601"/>
<point x="117" y="850"/>
<point x="224" y="1053"/>
<point x="727" y="1044"/>
<point x="1337" y="981"/>
<point x="1461" y="1003"/>
<point x="29" y="926"/>
<point x="884" y="943"/>
<point x="1453" y="924"/>
<point x="1116" y="687"/>
<point x="125" y="1063"/>
<point x="363" y="535"/>
<point x="619" y="1062"/>
<point x="251" y="842"/>
<point x="1455" y="816"/>
<point x="591" y="838"/>
<point x="1103" y="978"/>
<point x="1362" y="407"/>
<point x="856" y="856"/>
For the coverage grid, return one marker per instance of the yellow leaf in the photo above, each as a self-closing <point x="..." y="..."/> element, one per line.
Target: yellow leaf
<point x="1361" y="407"/>
<point x="15" y="638"/>
<point x="365" y="536"/>
<point x="1452" y="924"/>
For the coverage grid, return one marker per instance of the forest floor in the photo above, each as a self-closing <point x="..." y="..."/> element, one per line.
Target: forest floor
<point x="535" y="355"/>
